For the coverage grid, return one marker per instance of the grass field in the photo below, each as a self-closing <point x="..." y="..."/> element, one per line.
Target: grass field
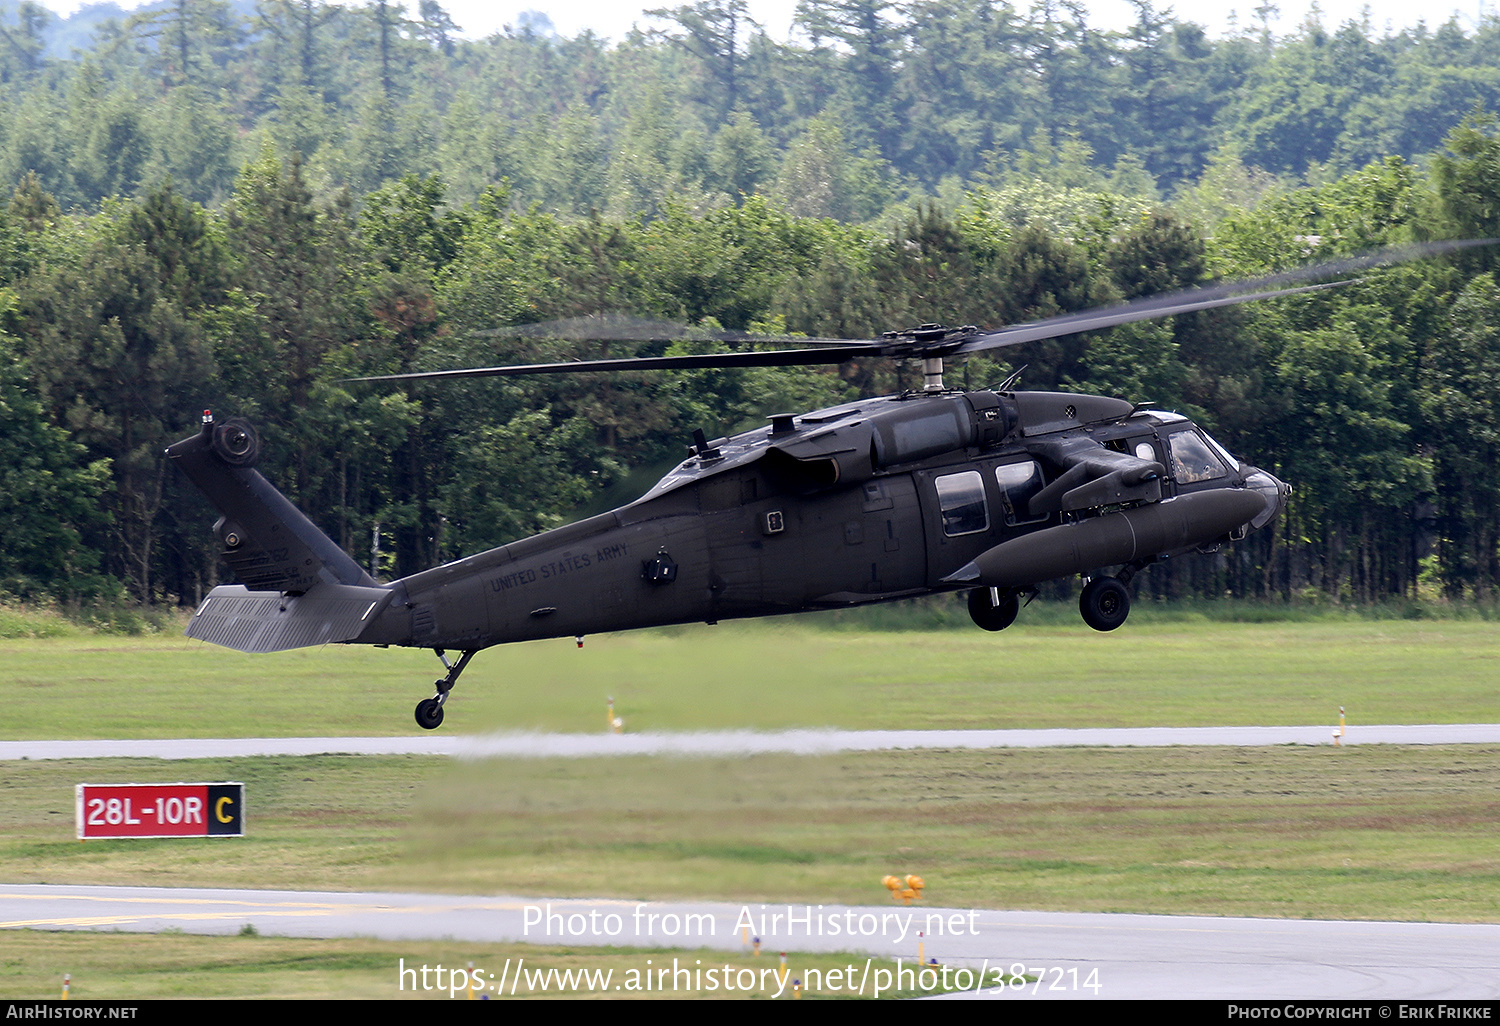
<point x="1378" y="831"/>
<point x="125" y="968"/>
<point x="1367" y="832"/>
<point x="774" y="674"/>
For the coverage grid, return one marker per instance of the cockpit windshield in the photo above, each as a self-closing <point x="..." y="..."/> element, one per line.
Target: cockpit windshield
<point x="1233" y="463"/>
<point x="1194" y="459"/>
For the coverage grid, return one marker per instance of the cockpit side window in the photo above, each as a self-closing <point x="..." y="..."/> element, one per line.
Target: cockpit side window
<point x="1142" y="448"/>
<point x="1192" y="460"/>
<point x="1018" y="483"/>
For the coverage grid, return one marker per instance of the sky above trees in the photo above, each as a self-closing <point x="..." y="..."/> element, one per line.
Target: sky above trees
<point x="610" y="18"/>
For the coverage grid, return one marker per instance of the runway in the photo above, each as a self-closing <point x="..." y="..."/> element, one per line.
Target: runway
<point x="1074" y="956"/>
<point x="745" y="742"/>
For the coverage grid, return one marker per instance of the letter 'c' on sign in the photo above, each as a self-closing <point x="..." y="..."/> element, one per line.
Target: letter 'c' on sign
<point x="219" y="810"/>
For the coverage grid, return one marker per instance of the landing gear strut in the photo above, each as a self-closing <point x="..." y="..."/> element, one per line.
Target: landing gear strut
<point x="430" y="710"/>
<point x="993" y="609"/>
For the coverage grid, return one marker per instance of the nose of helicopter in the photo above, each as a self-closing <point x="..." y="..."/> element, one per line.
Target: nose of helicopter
<point x="1273" y="490"/>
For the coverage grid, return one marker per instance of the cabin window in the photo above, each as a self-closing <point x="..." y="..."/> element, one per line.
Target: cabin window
<point x="1192" y="459"/>
<point x="961" y="498"/>
<point x="1018" y="483"/>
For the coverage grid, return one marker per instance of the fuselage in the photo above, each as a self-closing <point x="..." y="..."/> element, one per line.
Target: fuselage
<point x="867" y="502"/>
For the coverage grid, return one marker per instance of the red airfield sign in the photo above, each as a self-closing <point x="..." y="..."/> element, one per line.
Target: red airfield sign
<point x="160" y="810"/>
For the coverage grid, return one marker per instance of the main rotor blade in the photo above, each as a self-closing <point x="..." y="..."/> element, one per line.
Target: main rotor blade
<point x="1211" y="297"/>
<point x="621" y="327"/>
<point x="911" y="344"/>
<point x="1073" y="324"/>
<point x="761" y="358"/>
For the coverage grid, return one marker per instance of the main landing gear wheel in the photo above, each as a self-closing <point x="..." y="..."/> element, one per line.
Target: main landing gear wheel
<point x="993" y="609"/>
<point x="1105" y="603"/>
<point x="429" y="714"/>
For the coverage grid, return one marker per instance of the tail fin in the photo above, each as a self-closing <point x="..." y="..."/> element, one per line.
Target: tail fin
<point x="299" y="588"/>
<point x="268" y="543"/>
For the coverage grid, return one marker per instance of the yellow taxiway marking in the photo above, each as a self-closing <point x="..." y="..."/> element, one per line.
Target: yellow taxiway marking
<point x="305" y="905"/>
<point x="236" y="908"/>
<point x="333" y="906"/>
<point x="117" y="920"/>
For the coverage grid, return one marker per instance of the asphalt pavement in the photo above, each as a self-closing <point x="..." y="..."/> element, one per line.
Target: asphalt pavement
<point x="1068" y="955"/>
<point x="735" y="742"/>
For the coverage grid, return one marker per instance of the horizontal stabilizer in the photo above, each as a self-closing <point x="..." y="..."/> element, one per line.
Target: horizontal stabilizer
<point x="267" y="621"/>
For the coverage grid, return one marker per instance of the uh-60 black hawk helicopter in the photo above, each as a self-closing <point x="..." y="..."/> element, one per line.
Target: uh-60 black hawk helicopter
<point x="991" y="491"/>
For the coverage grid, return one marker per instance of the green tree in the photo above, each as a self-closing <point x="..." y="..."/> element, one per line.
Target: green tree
<point x="192" y="40"/>
<point x="711" y="31"/>
<point x="22" y="53"/>
<point x="1297" y="105"/>
<point x="641" y="173"/>
<point x="821" y="177"/>
<point x="291" y="29"/>
<point x="1460" y="398"/>
<point x="514" y="479"/>
<point x="566" y="167"/>
<point x="51" y="495"/>
<point x="967" y="87"/>
<point x="193" y="145"/>
<point x="741" y="157"/>
<point x="1466" y="187"/>
<point x="121" y="356"/>
<point x="34" y="148"/>
<point x="866" y="84"/>
<point x="299" y="269"/>
<point x="108" y="145"/>
<point x="412" y="240"/>
<point x="437" y="27"/>
<point x="1171" y="91"/>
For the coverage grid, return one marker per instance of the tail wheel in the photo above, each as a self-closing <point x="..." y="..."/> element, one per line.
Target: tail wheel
<point x="990" y="614"/>
<point x="430" y="710"/>
<point x="1105" y="603"/>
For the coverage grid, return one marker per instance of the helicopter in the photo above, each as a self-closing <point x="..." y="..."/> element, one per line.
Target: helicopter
<point x="991" y="492"/>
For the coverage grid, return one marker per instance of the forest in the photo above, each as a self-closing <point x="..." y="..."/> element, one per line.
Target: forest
<point x="243" y="206"/>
